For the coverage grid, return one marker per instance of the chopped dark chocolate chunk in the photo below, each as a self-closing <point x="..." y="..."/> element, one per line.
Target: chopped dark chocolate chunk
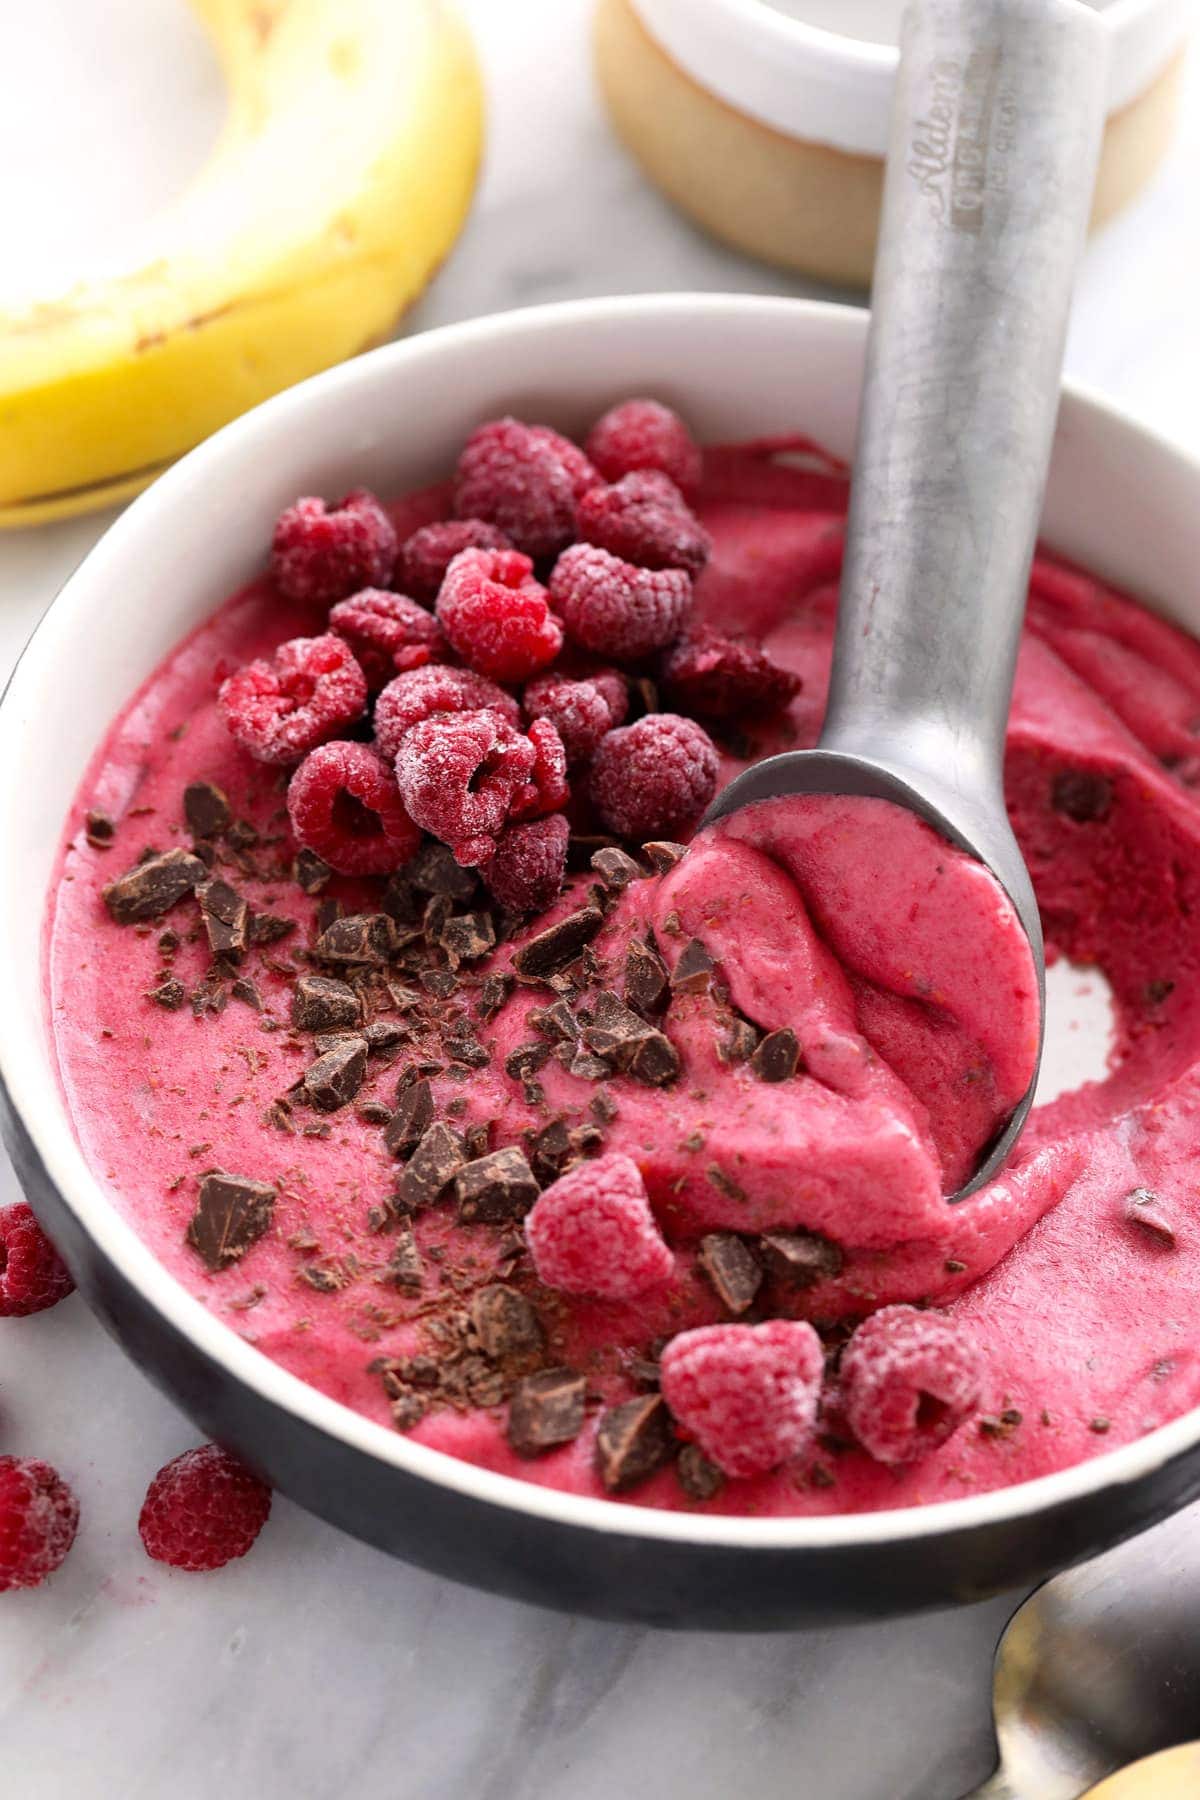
<point x="327" y="1277"/>
<point x="358" y="938"/>
<point x="477" y="1139"/>
<point x="1082" y="795"/>
<point x="100" y="830"/>
<point x="673" y="925"/>
<point x="615" y="867"/>
<point x="525" y="1061"/>
<point x="495" y="1188"/>
<point x="643" y="695"/>
<point x="375" y="1112"/>
<point x="320" y="1004"/>
<point x="603" y="1108"/>
<point x="662" y="854"/>
<point x="437" y="910"/>
<point x="699" y="1478"/>
<point x="800" y="1258"/>
<point x="268" y="928"/>
<point x="170" y="994"/>
<point x="1143" y="1207"/>
<point x="493" y="993"/>
<point x="152" y="887"/>
<point x="777" y="1057"/>
<point x="434" y="870"/>
<point x="247" y="992"/>
<point x="231" y="1214"/>
<point x="467" y="937"/>
<point x="505" y="1323"/>
<point x="242" y="835"/>
<point x="733" y="1268"/>
<point x="693" y="971"/>
<point x="739" y="1042"/>
<point x="550" y="1151"/>
<point x="434" y="1163"/>
<point x="556" y="1021"/>
<point x="552" y="949"/>
<point x="405" y="1268"/>
<point x="334" y="1079"/>
<point x="441" y="983"/>
<point x="646" y="978"/>
<point x="385" y="1034"/>
<point x="547" y="1409"/>
<point x="632" y="1441"/>
<point x="310" y="872"/>
<point x="615" y="1030"/>
<point x="226" y="916"/>
<point x="407" y="1410"/>
<point x="206" y="809"/>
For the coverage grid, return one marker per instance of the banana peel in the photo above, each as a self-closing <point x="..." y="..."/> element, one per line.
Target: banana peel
<point x="340" y="179"/>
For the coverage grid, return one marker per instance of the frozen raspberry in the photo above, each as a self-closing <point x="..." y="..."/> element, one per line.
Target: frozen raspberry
<point x="344" y="804"/>
<point x="319" y="555"/>
<point x="546" y="790"/>
<point x="654" y="777"/>
<point x="642" y="434"/>
<point x="312" y="689"/>
<point x="428" y="553"/>
<point x="422" y="693"/>
<point x="592" y="1232"/>
<point x="724" y="678"/>
<point x="526" y="873"/>
<point x="39" y="1516"/>
<point x="458" y="774"/>
<point x="387" y="632"/>
<point x="646" y="520"/>
<point x="202" y="1510"/>
<point x="497" y="616"/>
<point x="527" y="480"/>
<point x="747" y="1393"/>
<point x="909" y="1379"/>
<point x="580" y="711"/>
<point x="613" y="608"/>
<point x="32" y="1274"/>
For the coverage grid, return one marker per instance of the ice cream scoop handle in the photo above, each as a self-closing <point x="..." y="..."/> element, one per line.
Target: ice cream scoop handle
<point x="995" y="135"/>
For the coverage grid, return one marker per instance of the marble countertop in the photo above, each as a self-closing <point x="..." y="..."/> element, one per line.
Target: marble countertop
<point x="318" y="1667"/>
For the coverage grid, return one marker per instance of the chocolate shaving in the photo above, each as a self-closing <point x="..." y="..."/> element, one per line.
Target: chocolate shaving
<point x="632" y="1441"/>
<point x="468" y="937"/>
<point x="152" y="887"/>
<point x="226" y="917"/>
<point x="310" y="872"/>
<point x="552" y="949"/>
<point x="646" y="979"/>
<point x="170" y="994"/>
<point x="359" y="938"/>
<point x="699" y="1478"/>
<point x="662" y="854"/>
<point x="693" y="971"/>
<point x="777" y="1057"/>
<point x="320" y="1004"/>
<point x="505" y="1323"/>
<point x="732" y="1267"/>
<point x="1082" y="796"/>
<point x="434" y="1163"/>
<point x="800" y="1258"/>
<point x="334" y="1079"/>
<point x="615" y="867"/>
<point x="405" y="1268"/>
<point x="100" y="830"/>
<point x="329" y="1276"/>
<point x="547" y="1409"/>
<point x="206" y="809"/>
<point x="495" y="1188"/>
<point x="231" y="1214"/>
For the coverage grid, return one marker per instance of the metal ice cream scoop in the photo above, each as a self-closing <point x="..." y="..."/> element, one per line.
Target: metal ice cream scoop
<point x="994" y="140"/>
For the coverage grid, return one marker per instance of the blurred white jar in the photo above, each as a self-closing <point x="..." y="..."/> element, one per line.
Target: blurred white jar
<point x="766" y="120"/>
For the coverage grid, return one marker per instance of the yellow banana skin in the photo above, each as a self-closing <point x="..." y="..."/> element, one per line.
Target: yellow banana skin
<point x="339" y="182"/>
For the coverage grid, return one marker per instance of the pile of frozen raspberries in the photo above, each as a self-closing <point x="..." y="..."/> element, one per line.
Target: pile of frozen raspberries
<point x="494" y="660"/>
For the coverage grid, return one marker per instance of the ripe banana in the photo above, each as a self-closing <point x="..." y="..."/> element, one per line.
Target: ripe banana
<point x="338" y="184"/>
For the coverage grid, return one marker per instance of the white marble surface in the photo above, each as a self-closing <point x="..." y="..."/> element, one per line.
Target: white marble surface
<point x="318" y="1668"/>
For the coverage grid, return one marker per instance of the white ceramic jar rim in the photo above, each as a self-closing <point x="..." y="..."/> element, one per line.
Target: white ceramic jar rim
<point x="819" y="85"/>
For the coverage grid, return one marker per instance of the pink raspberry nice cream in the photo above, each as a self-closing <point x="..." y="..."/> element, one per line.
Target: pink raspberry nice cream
<point x="392" y="1011"/>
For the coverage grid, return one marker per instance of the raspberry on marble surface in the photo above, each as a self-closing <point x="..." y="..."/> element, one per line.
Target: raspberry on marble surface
<point x="310" y="691"/>
<point x="644" y="519"/>
<point x="427" y="554"/>
<point x="39" y="1516"/>
<point x="593" y="1232"/>
<point x="387" y="632"/>
<point x="345" y="806"/>
<point x="655" y="777"/>
<point x="748" y="1394"/>
<point x="320" y="554"/>
<point x="645" y="434"/>
<point x="202" y="1510"/>
<point x="424" y="693"/>
<point x="909" y="1378"/>
<point x="496" y="616"/>
<point x="524" y="479"/>
<point x="32" y="1274"/>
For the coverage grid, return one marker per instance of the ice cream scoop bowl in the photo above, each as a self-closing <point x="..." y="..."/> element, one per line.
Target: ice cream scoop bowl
<point x="969" y="311"/>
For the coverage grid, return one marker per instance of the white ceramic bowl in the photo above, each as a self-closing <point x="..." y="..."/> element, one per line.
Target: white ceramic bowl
<point x="1119" y="499"/>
